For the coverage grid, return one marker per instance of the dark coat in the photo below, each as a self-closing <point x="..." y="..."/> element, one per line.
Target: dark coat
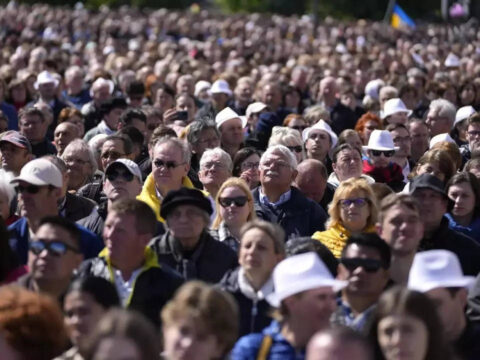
<point x="76" y="207"/>
<point x="209" y="262"/>
<point x="253" y="314"/>
<point x="342" y="118"/>
<point x="299" y="216"/>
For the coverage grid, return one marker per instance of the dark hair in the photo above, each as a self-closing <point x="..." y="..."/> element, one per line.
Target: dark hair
<point x="135" y="88"/>
<point x="67" y="225"/>
<point x="470" y="164"/>
<point x="373" y="241"/>
<point x="167" y="89"/>
<point x="127" y="143"/>
<point x="240" y="157"/>
<point x="342" y="147"/>
<point x="130" y="114"/>
<point x="145" y="219"/>
<point x="113" y="103"/>
<point x="135" y="135"/>
<point x="197" y="127"/>
<point x="303" y="245"/>
<point x="401" y="301"/>
<point x="159" y="132"/>
<point x="102" y="291"/>
<point x="469" y="178"/>
<point x="31" y="111"/>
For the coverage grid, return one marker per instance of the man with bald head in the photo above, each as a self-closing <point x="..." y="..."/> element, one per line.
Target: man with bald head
<point x="63" y="135"/>
<point x="341" y="116"/>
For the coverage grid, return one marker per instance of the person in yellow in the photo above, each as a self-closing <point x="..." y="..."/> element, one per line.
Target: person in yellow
<point x="170" y="165"/>
<point x="352" y="210"/>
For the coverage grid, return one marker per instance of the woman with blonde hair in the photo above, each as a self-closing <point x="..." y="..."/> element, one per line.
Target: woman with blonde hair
<point x="352" y="210"/>
<point x="234" y="208"/>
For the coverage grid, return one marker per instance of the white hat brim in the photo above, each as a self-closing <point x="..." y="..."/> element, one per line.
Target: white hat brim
<point x="408" y="112"/>
<point x="366" y="147"/>
<point x="463" y="282"/>
<point x="31" y="180"/>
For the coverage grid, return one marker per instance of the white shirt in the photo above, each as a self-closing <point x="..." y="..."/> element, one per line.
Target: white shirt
<point x="124" y="288"/>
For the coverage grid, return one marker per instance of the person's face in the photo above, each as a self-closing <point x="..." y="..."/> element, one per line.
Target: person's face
<point x="167" y="177"/>
<point x="401" y="138"/>
<point x="431" y="168"/>
<point x="111" y="151"/>
<point x="13" y="157"/>
<point x="33" y="204"/>
<point x="47" y="91"/>
<point x="78" y="167"/>
<point x="349" y="100"/>
<point x="113" y="117"/>
<point x="363" y="280"/>
<point x="276" y="171"/>
<point x="292" y="100"/>
<point x="185" y="85"/>
<point x="213" y="171"/>
<point x="186" y="103"/>
<point x="402" y="337"/>
<point x="164" y="100"/>
<point x="419" y="136"/>
<point x="33" y="128"/>
<point x="63" y="135"/>
<point x="186" y="340"/>
<point x="380" y="159"/>
<point x="49" y="267"/>
<point x="368" y="129"/>
<point x="232" y="132"/>
<point x="398" y="118"/>
<point x="119" y="348"/>
<point x="467" y="96"/>
<point x="401" y="229"/>
<point x="450" y="309"/>
<point x="463" y="199"/>
<point x="75" y="83"/>
<point x="348" y="165"/>
<point x="432" y="206"/>
<point x="354" y="211"/>
<point x="19" y="94"/>
<point x="437" y="124"/>
<point x="249" y="169"/>
<point x="243" y="91"/>
<point x="220" y="100"/>
<point x="473" y="136"/>
<point x="318" y="144"/>
<point x="327" y="347"/>
<point x="233" y="214"/>
<point x="208" y="139"/>
<point x="81" y="315"/>
<point x="122" y="185"/>
<point x="475" y="170"/>
<point x="271" y="96"/>
<point x="101" y="94"/>
<point x="186" y="222"/>
<point x="312" y="185"/>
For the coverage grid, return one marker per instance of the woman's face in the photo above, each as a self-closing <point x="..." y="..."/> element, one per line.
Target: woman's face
<point x="354" y="211"/>
<point x="164" y="100"/>
<point x="463" y="199"/>
<point x="467" y="96"/>
<point x="249" y="170"/>
<point x="185" y="340"/>
<point x="403" y="337"/>
<point x="294" y="147"/>
<point x="19" y="94"/>
<point x="234" y="215"/>
<point x="431" y="168"/>
<point x="81" y="315"/>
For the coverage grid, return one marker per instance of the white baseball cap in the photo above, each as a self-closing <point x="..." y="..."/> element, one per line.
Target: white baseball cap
<point x="45" y="77"/>
<point x="40" y="172"/>
<point x="220" y="87"/>
<point x="254" y="108"/>
<point x="228" y="114"/>
<point x="200" y="86"/>
<point x="439" y="138"/>
<point x="437" y="268"/>
<point x="463" y="113"/>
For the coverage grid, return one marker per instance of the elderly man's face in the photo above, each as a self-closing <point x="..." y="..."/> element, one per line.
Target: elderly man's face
<point x="47" y="91"/>
<point x="232" y="132"/>
<point x="186" y="223"/>
<point x="120" y="183"/>
<point x="168" y="167"/>
<point x="79" y="168"/>
<point x="63" y="135"/>
<point x="13" y="157"/>
<point x="111" y="151"/>
<point x="213" y="171"/>
<point x="275" y="171"/>
<point x="102" y="93"/>
<point x="207" y="139"/>
<point x="437" y="124"/>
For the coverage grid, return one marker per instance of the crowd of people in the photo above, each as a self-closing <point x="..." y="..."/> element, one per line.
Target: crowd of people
<point x="190" y="185"/>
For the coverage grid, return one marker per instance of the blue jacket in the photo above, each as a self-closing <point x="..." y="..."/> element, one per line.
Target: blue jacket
<point x="248" y="346"/>
<point x="91" y="244"/>
<point x="472" y="230"/>
<point x="11" y="114"/>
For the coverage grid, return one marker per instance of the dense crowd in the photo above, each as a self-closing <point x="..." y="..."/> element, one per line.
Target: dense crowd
<point x="190" y="185"/>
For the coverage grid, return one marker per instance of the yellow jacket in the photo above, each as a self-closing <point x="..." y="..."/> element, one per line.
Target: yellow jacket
<point x="149" y="194"/>
<point x="336" y="237"/>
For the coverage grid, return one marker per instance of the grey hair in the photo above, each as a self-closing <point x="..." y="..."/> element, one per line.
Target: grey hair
<point x="280" y="134"/>
<point x="225" y="158"/>
<point x="284" y="151"/>
<point x="72" y="70"/>
<point x="314" y="113"/>
<point x="81" y="145"/>
<point x="443" y="108"/>
<point x="7" y="189"/>
<point x="388" y="89"/>
<point x="196" y="128"/>
<point x="183" y="145"/>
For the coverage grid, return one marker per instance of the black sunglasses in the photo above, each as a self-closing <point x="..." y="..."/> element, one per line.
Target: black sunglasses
<point x="31" y="189"/>
<point x="168" y="164"/>
<point x="387" y="153"/>
<point x="370" y="265"/>
<point x="57" y="248"/>
<point x="238" y="201"/>
<point x="297" y="149"/>
<point x="125" y="175"/>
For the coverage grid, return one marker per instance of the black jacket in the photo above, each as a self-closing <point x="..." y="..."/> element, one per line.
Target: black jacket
<point x="468" y="346"/>
<point x="76" y="207"/>
<point x="467" y="250"/>
<point x="342" y="118"/>
<point x="209" y="262"/>
<point x="253" y="314"/>
<point x="299" y="216"/>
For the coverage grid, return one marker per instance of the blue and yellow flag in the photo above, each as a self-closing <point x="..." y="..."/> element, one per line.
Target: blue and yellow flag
<point x="400" y="19"/>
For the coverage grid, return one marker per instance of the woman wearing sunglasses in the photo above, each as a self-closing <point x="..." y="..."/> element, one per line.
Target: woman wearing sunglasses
<point x="352" y="210"/>
<point x="234" y="205"/>
<point x="290" y="138"/>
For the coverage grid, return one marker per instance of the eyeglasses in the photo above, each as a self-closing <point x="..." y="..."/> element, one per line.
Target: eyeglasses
<point x="57" y="248"/>
<point x="209" y="141"/>
<point x="31" y="189"/>
<point x="238" y="201"/>
<point x="250" y="165"/>
<point x="299" y="128"/>
<point x="297" y="149"/>
<point x="369" y="265"/>
<point x="168" y="164"/>
<point x="386" y="153"/>
<point x="213" y="164"/>
<point x="358" y="202"/>
<point x="124" y="175"/>
<point x="473" y="133"/>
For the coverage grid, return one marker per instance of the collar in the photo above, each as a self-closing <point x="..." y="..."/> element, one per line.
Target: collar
<point x="104" y="128"/>
<point x="249" y="291"/>
<point x="282" y="199"/>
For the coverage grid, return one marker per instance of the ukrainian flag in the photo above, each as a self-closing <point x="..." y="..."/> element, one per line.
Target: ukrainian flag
<point x="400" y="19"/>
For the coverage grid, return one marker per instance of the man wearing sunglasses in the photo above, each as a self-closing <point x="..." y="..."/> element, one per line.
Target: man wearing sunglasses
<point x="379" y="164"/>
<point x="54" y="253"/>
<point x="364" y="264"/>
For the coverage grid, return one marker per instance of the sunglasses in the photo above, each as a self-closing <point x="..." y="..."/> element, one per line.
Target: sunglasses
<point x="299" y="128"/>
<point x="369" y="265"/>
<point x="168" y="164"/>
<point x="297" y="149"/>
<point x="57" y="248"/>
<point x="124" y="175"/>
<point x="238" y="201"/>
<point x="358" y="202"/>
<point x="31" y="189"/>
<point x="386" y="153"/>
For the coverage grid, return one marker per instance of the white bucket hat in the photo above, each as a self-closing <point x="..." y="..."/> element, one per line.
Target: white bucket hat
<point x="40" y="172"/>
<point x="380" y="140"/>
<point x="45" y="77"/>
<point x="228" y="114"/>
<point x="321" y="125"/>
<point x="254" y="108"/>
<point x="395" y="106"/>
<point x="437" y="268"/>
<point x="452" y="60"/>
<point x="220" y="87"/>
<point x="200" y="86"/>
<point x="300" y="273"/>
<point x="439" y="138"/>
<point x="463" y="113"/>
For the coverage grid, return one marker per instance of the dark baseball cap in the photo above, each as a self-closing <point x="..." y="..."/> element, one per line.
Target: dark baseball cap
<point x="427" y="181"/>
<point x="184" y="196"/>
<point x="17" y="139"/>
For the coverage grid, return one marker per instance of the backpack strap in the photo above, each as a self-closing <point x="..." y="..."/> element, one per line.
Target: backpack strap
<point x="265" y="347"/>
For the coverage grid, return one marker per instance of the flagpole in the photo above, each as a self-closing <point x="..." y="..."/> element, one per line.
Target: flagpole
<point x="389" y="11"/>
<point x="445" y="9"/>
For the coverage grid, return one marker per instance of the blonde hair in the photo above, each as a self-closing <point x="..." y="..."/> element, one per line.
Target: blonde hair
<point x="344" y="190"/>
<point x="242" y="185"/>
